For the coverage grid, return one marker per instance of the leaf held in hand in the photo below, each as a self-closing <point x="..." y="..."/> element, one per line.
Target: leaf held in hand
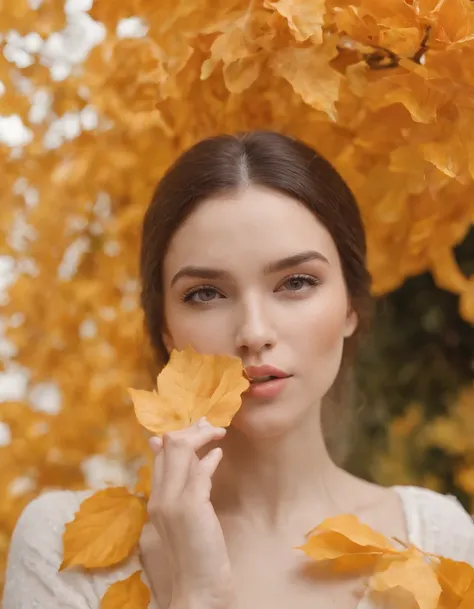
<point x="130" y="593"/>
<point x="105" y="530"/>
<point x="191" y="386"/>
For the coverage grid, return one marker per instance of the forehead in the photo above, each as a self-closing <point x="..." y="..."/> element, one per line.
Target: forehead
<point x="255" y="222"/>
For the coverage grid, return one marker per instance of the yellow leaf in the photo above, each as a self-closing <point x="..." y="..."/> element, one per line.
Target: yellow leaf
<point x="346" y="545"/>
<point x="295" y="64"/>
<point x="305" y="17"/>
<point x="105" y="530"/>
<point x="413" y="577"/>
<point x="143" y="485"/>
<point x="456" y="579"/>
<point x="130" y="593"/>
<point x="402" y="41"/>
<point x="446" y="271"/>
<point x="468" y="599"/>
<point x="191" y="386"/>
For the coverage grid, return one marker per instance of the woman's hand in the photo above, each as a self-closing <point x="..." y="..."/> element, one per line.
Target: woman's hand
<point x="181" y="511"/>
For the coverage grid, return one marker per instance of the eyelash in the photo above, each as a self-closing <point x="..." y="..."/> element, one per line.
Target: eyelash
<point x="187" y="296"/>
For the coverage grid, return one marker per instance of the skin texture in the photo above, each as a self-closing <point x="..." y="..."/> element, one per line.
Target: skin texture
<point x="275" y="480"/>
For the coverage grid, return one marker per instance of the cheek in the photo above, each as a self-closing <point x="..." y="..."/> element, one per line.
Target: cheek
<point x="204" y="331"/>
<point x="322" y="326"/>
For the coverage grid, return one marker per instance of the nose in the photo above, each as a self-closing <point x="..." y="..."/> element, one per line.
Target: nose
<point x="255" y="332"/>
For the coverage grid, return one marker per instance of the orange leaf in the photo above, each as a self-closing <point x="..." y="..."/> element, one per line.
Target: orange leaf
<point x="412" y="578"/>
<point x="143" y="485"/>
<point x="105" y="530"/>
<point x="130" y="593"/>
<point x="456" y="579"/>
<point x="346" y="545"/>
<point x="468" y="599"/>
<point x="192" y="385"/>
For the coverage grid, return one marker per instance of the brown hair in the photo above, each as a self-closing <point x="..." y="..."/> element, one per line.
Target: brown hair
<point x="229" y="162"/>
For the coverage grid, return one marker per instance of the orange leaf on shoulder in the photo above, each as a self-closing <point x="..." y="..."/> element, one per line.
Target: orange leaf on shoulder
<point x="192" y="385"/>
<point x="457" y="582"/>
<point x="130" y="593"/>
<point x="345" y="545"/>
<point x="105" y="530"/>
<point x="408" y="581"/>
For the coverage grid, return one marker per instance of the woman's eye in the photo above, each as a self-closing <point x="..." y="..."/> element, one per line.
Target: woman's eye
<point x="300" y="282"/>
<point x="201" y="295"/>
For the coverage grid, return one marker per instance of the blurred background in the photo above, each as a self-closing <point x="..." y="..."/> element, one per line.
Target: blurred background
<point x="97" y="99"/>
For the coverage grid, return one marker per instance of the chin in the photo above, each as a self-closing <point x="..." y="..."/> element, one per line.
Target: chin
<point x="265" y="421"/>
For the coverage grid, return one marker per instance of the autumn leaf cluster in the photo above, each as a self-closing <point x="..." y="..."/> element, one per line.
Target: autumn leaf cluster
<point x="400" y="575"/>
<point x="383" y="89"/>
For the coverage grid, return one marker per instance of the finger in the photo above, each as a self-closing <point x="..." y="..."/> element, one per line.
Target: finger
<point x="178" y="456"/>
<point x="156" y="444"/>
<point x="209" y="463"/>
<point x="198" y="435"/>
<point x="200" y="478"/>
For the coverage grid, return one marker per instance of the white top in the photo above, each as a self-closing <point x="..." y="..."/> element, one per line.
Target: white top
<point x="436" y="523"/>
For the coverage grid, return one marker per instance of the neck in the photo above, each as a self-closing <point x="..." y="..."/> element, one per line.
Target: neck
<point x="275" y="480"/>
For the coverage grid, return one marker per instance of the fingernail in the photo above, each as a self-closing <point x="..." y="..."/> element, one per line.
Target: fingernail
<point x="155" y="443"/>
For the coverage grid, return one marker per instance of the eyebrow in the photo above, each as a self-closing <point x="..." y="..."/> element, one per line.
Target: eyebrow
<point x="201" y="272"/>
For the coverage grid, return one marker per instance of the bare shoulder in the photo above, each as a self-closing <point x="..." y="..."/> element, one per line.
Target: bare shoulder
<point x="379" y="507"/>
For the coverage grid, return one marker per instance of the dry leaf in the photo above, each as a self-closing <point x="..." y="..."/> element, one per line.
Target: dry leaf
<point x="305" y="18"/>
<point x="105" y="530"/>
<point x="192" y="386"/>
<point x="130" y="593"/>
<point x="456" y="580"/>
<point x="143" y="485"/>
<point x="467" y="601"/>
<point x="413" y="577"/>
<point x="294" y="65"/>
<point x="344" y="544"/>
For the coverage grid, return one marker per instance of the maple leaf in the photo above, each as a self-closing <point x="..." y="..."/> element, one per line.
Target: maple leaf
<point x="105" y="530"/>
<point x="130" y="593"/>
<point x="192" y="385"/>
<point x="344" y="544"/>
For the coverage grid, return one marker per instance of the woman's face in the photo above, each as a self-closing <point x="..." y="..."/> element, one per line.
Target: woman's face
<point x="256" y="275"/>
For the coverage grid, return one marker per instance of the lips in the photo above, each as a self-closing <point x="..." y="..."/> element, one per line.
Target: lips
<point x="263" y="375"/>
<point x="266" y="382"/>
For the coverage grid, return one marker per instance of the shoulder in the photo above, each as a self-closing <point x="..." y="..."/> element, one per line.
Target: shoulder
<point x="438" y="523"/>
<point x="53" y="509"/>
<point x="35" y="554"/>
<point x="42" y="522"/>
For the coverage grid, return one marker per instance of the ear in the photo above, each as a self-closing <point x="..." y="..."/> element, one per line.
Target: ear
<point x="352" y="321"/>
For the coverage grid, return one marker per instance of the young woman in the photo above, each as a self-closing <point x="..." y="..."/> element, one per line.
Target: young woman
<point x="252" y="246"/>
